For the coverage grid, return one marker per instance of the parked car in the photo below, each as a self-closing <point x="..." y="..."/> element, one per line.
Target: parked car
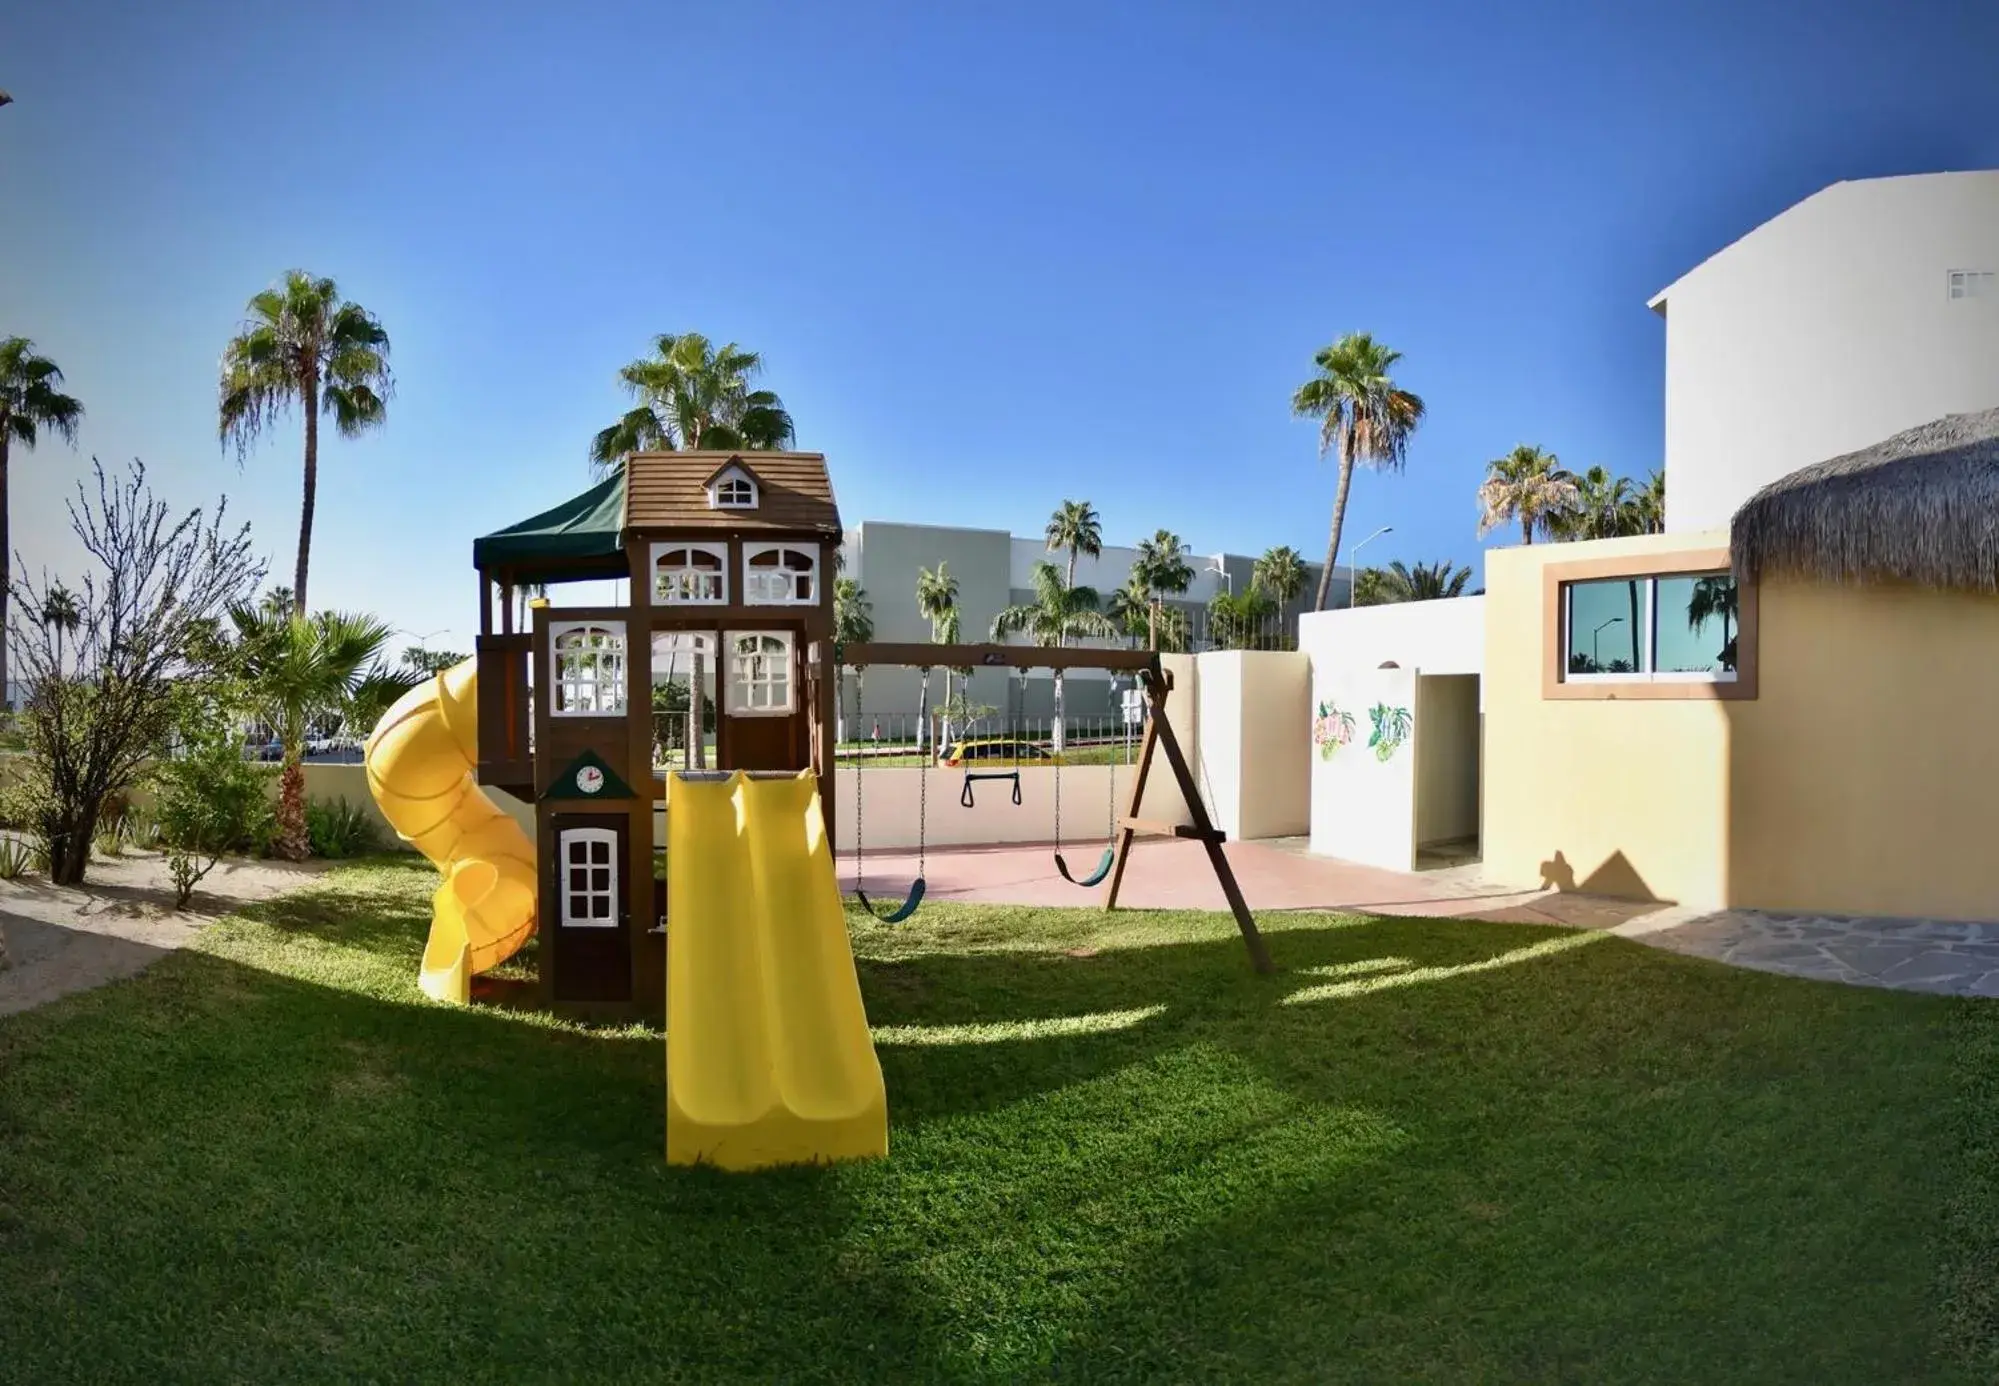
<point x="1000" y="750"/>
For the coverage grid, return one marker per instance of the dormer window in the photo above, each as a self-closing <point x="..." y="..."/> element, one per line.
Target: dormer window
<point x="732" y="489"/>
<point x="780" y="575"/>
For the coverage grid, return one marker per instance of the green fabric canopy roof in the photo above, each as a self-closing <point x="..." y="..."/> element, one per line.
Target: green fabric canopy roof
<point x="561" y="543"/>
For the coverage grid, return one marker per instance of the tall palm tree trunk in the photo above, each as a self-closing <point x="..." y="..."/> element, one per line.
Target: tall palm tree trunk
<point x="1526" y="527"/>
<point x="293" y="842"/>
<point x="6" y="566"/>
<point x="311" y="491"/>
<point x="1637" y="635"/>
<point x="1333" y="540"/>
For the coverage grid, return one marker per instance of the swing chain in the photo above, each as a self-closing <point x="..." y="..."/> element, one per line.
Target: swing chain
<point x="927" y="745"/>
<point x="1057" y="754"/>
<point x="860" y="692"/>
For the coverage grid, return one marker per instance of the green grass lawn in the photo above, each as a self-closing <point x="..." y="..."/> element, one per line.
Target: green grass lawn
<point x="1428" y="1151"/>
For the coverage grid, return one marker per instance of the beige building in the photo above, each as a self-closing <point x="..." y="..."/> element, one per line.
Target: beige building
<point x="1806" y="717"/>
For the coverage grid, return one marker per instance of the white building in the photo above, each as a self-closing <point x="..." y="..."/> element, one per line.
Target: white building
<point x="1866" y="309"/>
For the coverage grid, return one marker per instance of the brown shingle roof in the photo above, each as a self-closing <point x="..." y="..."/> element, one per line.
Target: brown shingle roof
<point x="669" y="490"/>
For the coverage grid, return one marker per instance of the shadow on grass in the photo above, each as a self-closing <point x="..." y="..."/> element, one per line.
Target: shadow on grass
<point x="1424" y="1150"/>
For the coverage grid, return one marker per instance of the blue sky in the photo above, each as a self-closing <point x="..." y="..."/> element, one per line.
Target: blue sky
<point x="994" y="256"/>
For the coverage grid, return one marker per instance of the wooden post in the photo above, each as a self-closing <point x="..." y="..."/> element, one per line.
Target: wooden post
<point x="1159" y="734"/>
<point x="697" y="741"/>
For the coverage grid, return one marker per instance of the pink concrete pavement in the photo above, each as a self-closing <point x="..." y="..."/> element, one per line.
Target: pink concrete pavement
<point x="1173" y="874"/>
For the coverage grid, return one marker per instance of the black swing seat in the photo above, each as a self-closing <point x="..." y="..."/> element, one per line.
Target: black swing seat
<point x="1096" y="877"/>
<point x="900" y="912"/>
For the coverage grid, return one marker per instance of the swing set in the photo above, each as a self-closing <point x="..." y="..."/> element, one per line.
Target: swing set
<point x="1158" y="738"/>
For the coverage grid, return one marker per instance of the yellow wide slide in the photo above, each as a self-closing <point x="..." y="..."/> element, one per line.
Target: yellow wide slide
<point x="421" y="759"/>
<point x="768" y="1060"/>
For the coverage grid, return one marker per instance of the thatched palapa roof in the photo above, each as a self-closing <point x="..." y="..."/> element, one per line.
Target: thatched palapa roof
<point x="1921" y="507"/>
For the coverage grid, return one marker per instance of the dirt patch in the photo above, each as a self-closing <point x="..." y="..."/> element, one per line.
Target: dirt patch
<point x="61" y="939"/>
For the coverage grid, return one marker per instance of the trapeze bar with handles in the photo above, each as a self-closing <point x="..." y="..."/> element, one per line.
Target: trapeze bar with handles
<point x="965" y="793"/>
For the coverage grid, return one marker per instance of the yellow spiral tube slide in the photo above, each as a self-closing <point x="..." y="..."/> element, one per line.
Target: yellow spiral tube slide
<point x="421" y="761"/>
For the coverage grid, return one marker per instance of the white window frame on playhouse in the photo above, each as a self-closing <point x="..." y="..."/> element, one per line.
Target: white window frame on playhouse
<point x="669" y="584"/>
<point x="585" y="838"/>
<point x="733" y="489"/>
<point x="744" y="681"/>
<point x="754" y="592"/>
<point x="608" y="689"/>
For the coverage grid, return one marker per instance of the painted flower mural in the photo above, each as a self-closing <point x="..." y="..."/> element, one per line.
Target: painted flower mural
<point x="1331" y="729"/>
<point x="1391" y="729"/>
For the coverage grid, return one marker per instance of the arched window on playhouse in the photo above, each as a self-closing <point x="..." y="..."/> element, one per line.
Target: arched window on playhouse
<point x="760" y="674"/>
<point x="690" y="574"/>
<point x="780" y="575"/>
<point x="587" y="662"/>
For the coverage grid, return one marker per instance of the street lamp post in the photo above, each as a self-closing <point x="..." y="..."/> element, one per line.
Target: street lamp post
<point x="1595" y="655"/>
<point x="1353" y="559"/>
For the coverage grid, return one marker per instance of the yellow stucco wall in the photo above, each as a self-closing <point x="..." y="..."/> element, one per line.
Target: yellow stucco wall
<point x="1618" y="798"/>
<point x="1862" y="779"/>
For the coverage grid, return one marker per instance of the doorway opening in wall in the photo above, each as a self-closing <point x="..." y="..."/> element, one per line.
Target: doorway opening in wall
<point x="683" y="700"/>
<point x="1449" y="752"/>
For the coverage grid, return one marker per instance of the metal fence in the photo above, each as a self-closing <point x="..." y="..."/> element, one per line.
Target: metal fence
<point x="994" y="740"/>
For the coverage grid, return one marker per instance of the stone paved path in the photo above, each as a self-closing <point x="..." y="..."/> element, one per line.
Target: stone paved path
<point x="1933" y="955"/>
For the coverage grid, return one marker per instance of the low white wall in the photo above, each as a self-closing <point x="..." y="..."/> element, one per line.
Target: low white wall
<point x="891" y="797"/>
<point x="1218" y="766"/>
<point x="1255" y="721"/>
<point x="1440" y="637"/>
<point x="1367" y="741"/>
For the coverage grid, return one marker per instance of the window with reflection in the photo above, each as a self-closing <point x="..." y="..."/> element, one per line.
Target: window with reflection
<point x="1664" y="627"/>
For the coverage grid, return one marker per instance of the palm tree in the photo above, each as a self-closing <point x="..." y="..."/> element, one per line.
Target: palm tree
<point x="853" y="624"/>
<point x="60" y="613"/>
<point x="1528" y="485"/>
<point x="1605" y="507"/>
<point x="1426" y="582"/>
<point x="299" y="669"/>
<point x="1715" y="596"/>
<point x="1057" y="612"/>
<point x="1130" y="606"/>
<point x="1364" y="416"/>
<point x="692" y="394"/>
<point x="1236" y="620"/>
<point x="1162" y="568"/>
<point x="937" y="603"/>
<point x="303" y="344"/>
<point x="1650" y="504"/>
<point x="30" y="401"/>
<point x="525" y="593"/>
<point x="1077" y="527"/>
<point x="1281" y="573"/>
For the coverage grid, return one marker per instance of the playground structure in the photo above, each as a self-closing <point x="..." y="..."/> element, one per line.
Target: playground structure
<point x="729" y="560"/>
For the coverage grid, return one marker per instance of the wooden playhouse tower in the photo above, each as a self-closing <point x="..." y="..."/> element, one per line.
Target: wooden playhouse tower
<point x="729" y="560"/>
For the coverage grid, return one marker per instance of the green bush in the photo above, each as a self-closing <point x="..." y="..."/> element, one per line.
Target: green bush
<point x="337" y="829"/>
<point x="211" y="802"/>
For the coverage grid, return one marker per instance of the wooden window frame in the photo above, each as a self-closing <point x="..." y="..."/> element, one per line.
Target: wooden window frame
<point x="1555" y="682"/>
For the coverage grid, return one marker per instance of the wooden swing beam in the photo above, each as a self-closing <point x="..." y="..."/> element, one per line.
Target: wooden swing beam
<point x="1158" y="736"/>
